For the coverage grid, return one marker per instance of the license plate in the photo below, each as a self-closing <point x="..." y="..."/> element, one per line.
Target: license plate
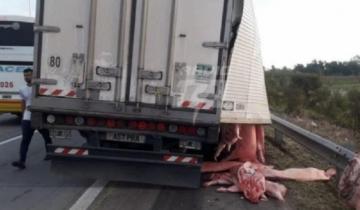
<point x="6" y="97"/>
<point x="60" y="134"/>
<point x="128" y="138"/>
<point x="190" y="145"/>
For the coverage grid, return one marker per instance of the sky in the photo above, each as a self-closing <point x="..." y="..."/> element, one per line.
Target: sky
<point x="299" y="31"/>
<point x="17" y="7"/>
<point x="291" y="31"/>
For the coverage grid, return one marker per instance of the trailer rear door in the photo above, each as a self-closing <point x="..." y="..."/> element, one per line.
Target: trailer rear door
<point x="171" y="66"/>
<point x="84" y="49"/>
<point x="157" y="52"/>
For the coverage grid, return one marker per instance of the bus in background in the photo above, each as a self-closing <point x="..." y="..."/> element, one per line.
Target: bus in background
<point x="16" y="54"/>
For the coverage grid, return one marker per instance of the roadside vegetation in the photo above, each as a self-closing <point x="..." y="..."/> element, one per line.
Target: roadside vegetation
<point x="319" y="90"/>
<point x="323" y="98"/>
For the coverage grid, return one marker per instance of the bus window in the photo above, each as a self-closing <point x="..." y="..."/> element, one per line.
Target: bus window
<point x="14" y="33"/>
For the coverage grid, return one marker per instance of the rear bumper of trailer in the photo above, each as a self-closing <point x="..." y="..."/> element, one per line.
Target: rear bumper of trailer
<point x="125" y="165"/>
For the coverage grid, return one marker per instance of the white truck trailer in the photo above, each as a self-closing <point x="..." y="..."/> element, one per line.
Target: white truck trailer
<point x="143" y="82"/>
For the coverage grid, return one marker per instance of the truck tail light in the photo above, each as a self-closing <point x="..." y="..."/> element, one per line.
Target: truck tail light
<point x="152" y="126"/>
<point x="182" y="130"/>
<point x="201" y="131"/>
<point x="142" y="125"/>
<point x="123" y="124"/>
<point x="110" y="123"/>
<point x="79" y="121"/>
<point x="185" y="130"/>
<point x="161" y="127"/>
<point x="69" y="120"/>
<point x="173" y="128"/>
<point x="133" y="125"/>
<point x="191" y="131"/>
<point x="120" y="124"/>
<point x="91" y="121"/>
<point x="101" y="122"/>
<point x="51" y="119"/>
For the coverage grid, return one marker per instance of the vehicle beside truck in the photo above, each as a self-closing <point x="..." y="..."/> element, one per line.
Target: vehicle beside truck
<point x="16" y="54"/>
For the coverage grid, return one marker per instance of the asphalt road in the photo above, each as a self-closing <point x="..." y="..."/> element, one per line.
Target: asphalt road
<point x="36" y="188"/>
<point x="122" y="196"/>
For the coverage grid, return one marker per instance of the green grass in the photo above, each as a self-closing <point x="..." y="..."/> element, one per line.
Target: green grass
<point x="341" y="83"/>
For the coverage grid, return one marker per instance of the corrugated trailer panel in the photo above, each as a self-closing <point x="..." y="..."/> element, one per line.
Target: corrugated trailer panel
<point x="245" y="99"/>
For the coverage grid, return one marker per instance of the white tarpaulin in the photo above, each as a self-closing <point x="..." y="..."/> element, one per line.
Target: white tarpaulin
<point x="245" y="99"/>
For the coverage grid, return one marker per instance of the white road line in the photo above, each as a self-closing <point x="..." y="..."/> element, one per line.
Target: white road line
<point x="10" y="140"/>
<point x="89" y="195"/>
<point x="13" y="139"/>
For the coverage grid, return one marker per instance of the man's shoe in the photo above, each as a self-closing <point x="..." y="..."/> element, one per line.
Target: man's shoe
<point x="19" y="165"/>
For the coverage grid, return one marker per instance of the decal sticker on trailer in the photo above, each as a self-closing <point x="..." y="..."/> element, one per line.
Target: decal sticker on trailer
<point x="180" y="77"/>
<point x="54" y="61"/>
<point x="204" y="73"/>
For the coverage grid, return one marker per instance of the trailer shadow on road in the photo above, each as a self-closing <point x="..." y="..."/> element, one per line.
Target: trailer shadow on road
<point x="127" y="196"/>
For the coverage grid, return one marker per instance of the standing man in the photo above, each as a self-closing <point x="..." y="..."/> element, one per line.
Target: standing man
<point x="27" y="130"/>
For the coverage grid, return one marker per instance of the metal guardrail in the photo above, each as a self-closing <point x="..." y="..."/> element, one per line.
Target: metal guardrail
<point x="335" y="154"/>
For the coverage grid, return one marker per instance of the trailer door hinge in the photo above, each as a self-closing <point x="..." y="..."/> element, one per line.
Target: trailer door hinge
<point x="151" y="75"/>
<point x="215" y="45"/>
<point x="209" y="96"/>
<point x="152" y="90"/>
<point x="44" y="82"/>
<point x="95" y="85"/>
<point x="108" y="71"/>
<point x="46" y="29"/>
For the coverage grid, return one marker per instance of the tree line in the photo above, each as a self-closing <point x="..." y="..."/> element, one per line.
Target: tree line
<point x="334" y="68"/>
<point x="302" y="91"/>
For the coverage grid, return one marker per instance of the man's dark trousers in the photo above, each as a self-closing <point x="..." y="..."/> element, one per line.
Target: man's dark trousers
<point x="28" y="132"/>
